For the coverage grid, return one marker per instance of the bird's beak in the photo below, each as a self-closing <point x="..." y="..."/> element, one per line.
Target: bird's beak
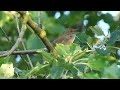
<point x="75" y="30"/>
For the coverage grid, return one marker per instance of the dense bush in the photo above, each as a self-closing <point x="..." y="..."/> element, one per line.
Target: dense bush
<point x="88" y="57"/>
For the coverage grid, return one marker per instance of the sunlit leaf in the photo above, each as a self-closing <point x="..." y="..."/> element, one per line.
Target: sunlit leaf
<point x="38" y="70"/>
<point x="62" y="49"/>
<point x="47" y="56"/>
<point x="97" y="30"/>
<point x="6" y="71"/>
<point x="93" y="41"/>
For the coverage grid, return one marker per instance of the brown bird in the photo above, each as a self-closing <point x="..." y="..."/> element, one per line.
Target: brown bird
<point x="67" y="38"/>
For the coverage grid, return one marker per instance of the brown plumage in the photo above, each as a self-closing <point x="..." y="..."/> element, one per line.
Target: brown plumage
<point x="67" y="38"/>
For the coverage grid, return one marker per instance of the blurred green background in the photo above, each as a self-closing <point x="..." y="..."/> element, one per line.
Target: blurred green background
<point x="55" y="22"/>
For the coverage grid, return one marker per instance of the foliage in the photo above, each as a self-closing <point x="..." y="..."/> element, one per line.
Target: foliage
<point x="88" y="57"/>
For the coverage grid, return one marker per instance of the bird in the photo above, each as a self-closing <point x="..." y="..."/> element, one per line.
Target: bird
<point x="67" y="38"/>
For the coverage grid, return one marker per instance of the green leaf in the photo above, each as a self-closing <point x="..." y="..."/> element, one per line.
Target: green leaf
<point x="44" y="70"/>
<point x="111" y="72"/>
<point x="91" y="76"/>
<point x="111" y="49"/>
<point x="78" y="55"/>
<point x="83" y="37"/>
<point x="33" y="71"/>
<point x="72" y="19"/>
<point x="68" y="66"/>
<point x="102" y="51"/>
<point x="75" y="71"/>
<point x="43" y="16"/>
<point x="54" y="28"/>
<point x="110" y="58"/>
<point x="39" y="69"/>
<point x="69" y="53"/>
<point x="47" y="56"/>
<point x="34" y="42"/>
<point x="4" y="60"/>
<point x="97" y="30"/>
<point x="96" y="62"/>
<point x="75" y="48"/>
<point x="62" y="49"/>
<point x="56" y="71"/>
<point x="114" y="36"/>
<point x="92" y="41"/>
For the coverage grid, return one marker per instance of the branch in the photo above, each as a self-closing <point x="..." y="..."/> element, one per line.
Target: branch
<point x="18" y="29"/>
<point x="41" y="33"/>
<point x="16" y="44"/>
<point x="24" y="52"/>
<point x="6" y="35"/>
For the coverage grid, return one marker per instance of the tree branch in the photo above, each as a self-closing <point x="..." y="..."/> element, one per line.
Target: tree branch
<point x="24" y="52"/>
<point x="16" y="44"/>
<point x="18" y="29"/>
<point x="41" y="33"/>
<point x="19" y="39"/>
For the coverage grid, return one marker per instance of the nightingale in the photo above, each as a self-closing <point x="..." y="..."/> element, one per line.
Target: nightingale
<point x="67" y="38"/>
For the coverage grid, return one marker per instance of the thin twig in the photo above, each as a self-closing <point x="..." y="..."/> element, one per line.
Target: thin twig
<point x="6" y="35"/>
<point x="39" y="14"/>
<point x="24" y="52"/>
<point x="13" y="16"/>
<point x="17" y="42"/>
<point x="23" y="29"/>
<point x="28" y="57"/>
<point x="39" y="20"/>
